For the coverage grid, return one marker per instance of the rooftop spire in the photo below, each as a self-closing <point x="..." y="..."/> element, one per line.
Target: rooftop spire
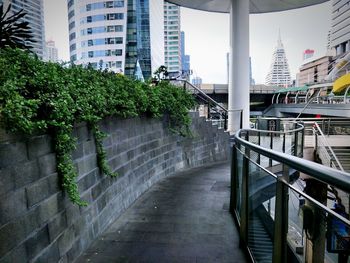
<point x="279" y="40"/>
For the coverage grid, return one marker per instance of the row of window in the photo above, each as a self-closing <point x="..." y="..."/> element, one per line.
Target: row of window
<point x="101" y="29"/>
<point x="102" y="53"/>
<point x="102" y="41"/>
<point x="103" y="17"/>
<point x="101" y="5"/>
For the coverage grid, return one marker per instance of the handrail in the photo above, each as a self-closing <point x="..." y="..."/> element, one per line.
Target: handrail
<point x="323" y="173"/>
<point x="328" y="146"/>
<point x="203" y="93"/>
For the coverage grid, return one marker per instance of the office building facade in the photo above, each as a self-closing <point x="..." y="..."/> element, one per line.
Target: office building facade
<point x="145" y="38"/>
<point x="97" y="31"/>
<point x="35" y="17"/>
<point x="124" y="36"/>
<point x="185" y="59"/>
<point x="340" y="27"/>
<point x="51" y="52"/>
<point x="279" y="74"/>
<point x="172" y="39"/>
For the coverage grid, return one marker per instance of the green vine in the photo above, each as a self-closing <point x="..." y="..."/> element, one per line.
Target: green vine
<point x="38" y="97"/>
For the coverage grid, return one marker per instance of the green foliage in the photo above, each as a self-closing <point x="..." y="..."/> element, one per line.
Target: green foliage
<point x="46" y="97"/>
<point x="14" y="32"/>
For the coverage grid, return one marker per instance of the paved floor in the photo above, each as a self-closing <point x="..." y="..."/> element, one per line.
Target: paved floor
<point x="183" y="218"/>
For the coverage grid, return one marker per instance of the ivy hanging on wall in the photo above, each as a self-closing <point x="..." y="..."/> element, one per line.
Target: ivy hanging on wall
<point x="38" y="97"/>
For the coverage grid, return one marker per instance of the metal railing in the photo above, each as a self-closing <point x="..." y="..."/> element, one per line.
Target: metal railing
<point x="208" y="107"/>
<point x="324" y="150"/>
<point x="279" y="218"/>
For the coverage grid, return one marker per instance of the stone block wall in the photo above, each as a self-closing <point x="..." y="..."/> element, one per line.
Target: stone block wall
<point x="38" y="223"/>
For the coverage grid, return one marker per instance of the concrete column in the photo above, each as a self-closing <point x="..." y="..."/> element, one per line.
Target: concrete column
<point x="238" y="88"/>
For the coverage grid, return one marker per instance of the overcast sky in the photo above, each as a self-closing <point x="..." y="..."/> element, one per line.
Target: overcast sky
<point x="207" y="37"/>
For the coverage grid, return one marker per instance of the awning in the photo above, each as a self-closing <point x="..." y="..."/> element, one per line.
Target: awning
<point x="341" y="83"/>
<point x="292" y="89"/>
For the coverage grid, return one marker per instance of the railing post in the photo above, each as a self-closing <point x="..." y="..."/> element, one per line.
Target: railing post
<point x="271" y="147"/>
<point x="284" y="143"/>
<point x="281" y="218"/>
<point x="234" y="181"/>
<point x="259" y="142"/>
<point x="243" y="231"/>
<point x="295" y="142"/>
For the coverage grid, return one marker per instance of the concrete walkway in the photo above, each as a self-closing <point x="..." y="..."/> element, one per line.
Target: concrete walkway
<point x="183" y="218"/>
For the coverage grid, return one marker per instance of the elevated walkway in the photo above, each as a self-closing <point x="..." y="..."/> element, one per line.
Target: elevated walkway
<point x="183" y="218"/>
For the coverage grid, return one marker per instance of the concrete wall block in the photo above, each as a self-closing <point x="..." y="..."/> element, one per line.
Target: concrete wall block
<point x="7" y="180"/>
<point x="82" y="133"/>
<point x="11" y="235"/>
<point x="25" y="173"/>
<point x="66" y="241"/>
<point x="72" y="214"/>
<point x="36" y="243"/>
<point x="50" y="207"/>
<point x="12" y="206"/>
<point x="78" y="152"/>
<point x="39" y="145"/>
<point x="50" y="254"/>
<point x="47" y="164"/>
<point x="57" y="226"/>
<point x="42" y="189"/>
<point x="17" y="255"/>
<point x="12" y="153"/>
<point x="86" y="165"/>
<point x="87" y="181"/>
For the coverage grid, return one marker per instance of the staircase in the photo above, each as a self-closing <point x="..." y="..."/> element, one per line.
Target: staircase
<point x="259" y="241"/>
<point x="343" y="155"/>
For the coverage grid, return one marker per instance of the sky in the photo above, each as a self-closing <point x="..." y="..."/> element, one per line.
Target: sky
<point x="207" y="37"/>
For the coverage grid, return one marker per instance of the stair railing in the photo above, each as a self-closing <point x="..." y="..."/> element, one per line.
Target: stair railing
<point x="324" y="149"/>
<point x="215" y="112"/>
<point x="256" y="189"/>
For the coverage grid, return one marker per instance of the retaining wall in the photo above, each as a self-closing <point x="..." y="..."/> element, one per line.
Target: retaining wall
<point x="38" y="223"/>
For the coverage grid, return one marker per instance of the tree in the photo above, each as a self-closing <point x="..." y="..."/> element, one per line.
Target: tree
<point x="14" y="32"/>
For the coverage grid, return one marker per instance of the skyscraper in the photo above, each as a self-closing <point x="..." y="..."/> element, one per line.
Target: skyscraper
<point x="122" y="36"/>
<point x="97" y="32"/>
<point x="340" y="26"/>
<point x="279" y="74"/>
<point x="145" y="38"/>
<point x="185" y="59"/>
<point x="51" y="52"/>
<point x="35" y="18"/>
<point x="172" y="38"/>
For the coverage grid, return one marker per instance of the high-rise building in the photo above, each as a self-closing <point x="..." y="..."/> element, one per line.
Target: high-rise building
<point x="172" y="38"/>
<point x="340" y="26"/>
<point x="35" y="17"/>
<point x="308" y="53"/>
<point x="125" y="36"/>
<point x="279" y="74"/>
<point x="145" y="38"/>
<point x="185" y="59"/>
<point x="97" y="32"/>
<point x="51" y="52"/>
<point x="197" y="81"/>
<point x="251" y="80"/>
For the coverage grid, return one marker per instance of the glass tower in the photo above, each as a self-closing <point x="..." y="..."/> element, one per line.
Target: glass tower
<point x="97" y="32"/>
<point x="35" y="18"/>
<point x="145" y="38"/>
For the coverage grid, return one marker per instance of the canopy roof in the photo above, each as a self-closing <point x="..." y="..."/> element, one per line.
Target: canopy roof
<point x="293" y="89"/>
<point x="256" y="6"/>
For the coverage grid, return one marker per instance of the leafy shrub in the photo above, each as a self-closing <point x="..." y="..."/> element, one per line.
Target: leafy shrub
<point x="46" y="97"/>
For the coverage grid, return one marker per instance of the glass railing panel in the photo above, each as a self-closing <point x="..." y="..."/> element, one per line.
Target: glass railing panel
<point x="239" y="167"/>
<point x="295" y="236"/>
<point x="261" y="204"/>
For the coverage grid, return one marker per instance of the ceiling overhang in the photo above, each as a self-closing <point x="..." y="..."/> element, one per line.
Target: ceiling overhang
<point x="256" y="6"/>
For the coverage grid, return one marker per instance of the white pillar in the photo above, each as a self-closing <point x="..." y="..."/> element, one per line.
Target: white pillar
<point x="239" y="84"/>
